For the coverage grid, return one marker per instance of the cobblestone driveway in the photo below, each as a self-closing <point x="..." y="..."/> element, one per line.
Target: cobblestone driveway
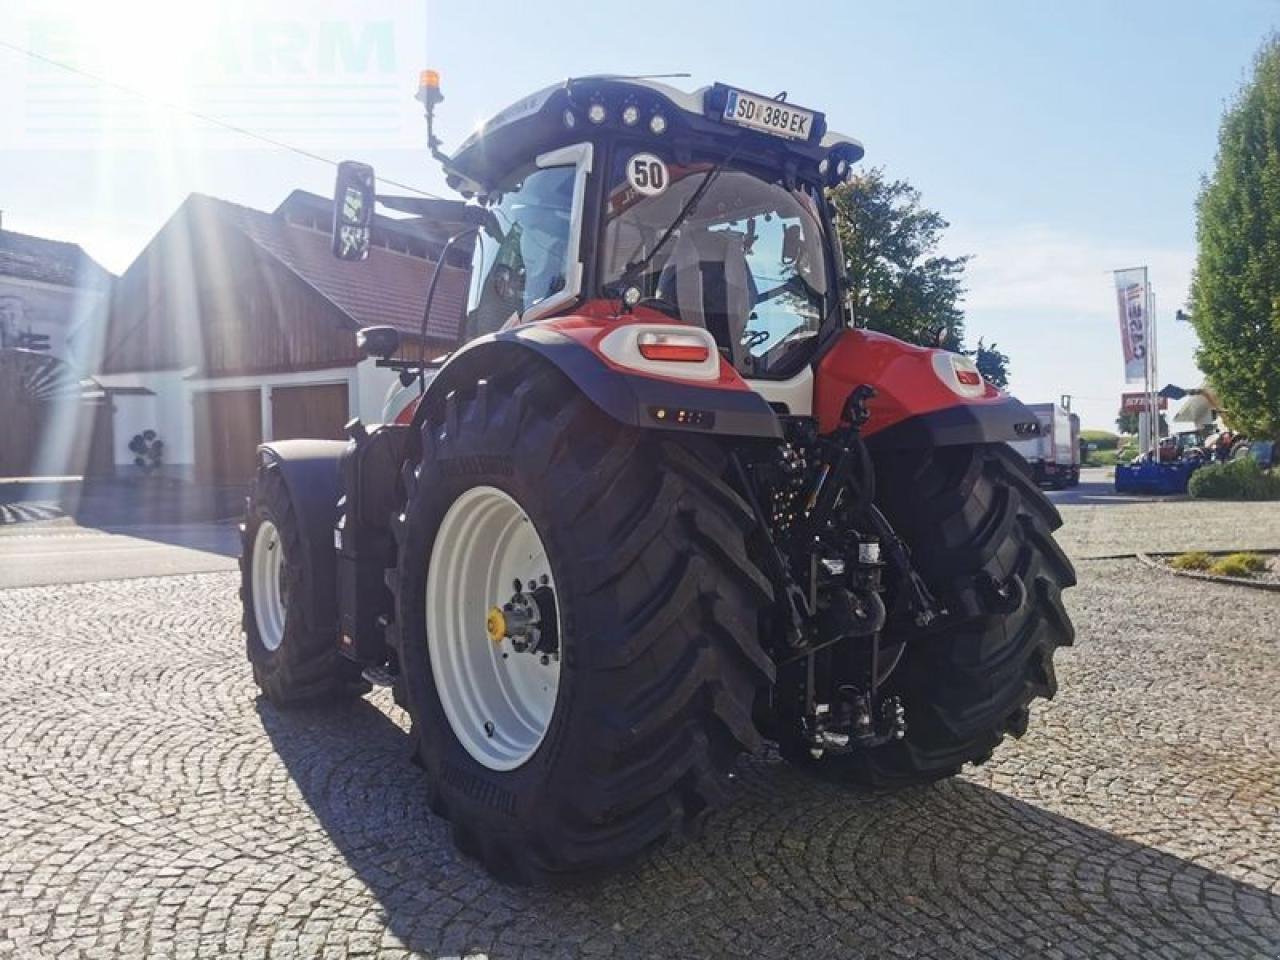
<point x="149" y="805"/>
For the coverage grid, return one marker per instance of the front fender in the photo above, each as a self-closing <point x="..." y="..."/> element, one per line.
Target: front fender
<point x="914" y="406"/>
<point x="313" y="476"/>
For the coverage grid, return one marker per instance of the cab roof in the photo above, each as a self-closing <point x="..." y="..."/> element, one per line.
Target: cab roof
<point x="557" y="115"/>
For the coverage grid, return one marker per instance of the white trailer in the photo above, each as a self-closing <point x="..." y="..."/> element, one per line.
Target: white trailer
<point x="1054" y="456"/>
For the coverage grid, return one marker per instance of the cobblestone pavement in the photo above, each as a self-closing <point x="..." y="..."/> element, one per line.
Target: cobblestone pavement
<point x="151" y="806"/>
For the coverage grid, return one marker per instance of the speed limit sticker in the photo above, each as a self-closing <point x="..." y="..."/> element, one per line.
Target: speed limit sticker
<point x="647" y="174"/>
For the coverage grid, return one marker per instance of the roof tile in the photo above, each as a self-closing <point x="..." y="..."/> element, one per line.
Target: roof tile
<point x="388" y="288"/>
<point x="49" y="261"/>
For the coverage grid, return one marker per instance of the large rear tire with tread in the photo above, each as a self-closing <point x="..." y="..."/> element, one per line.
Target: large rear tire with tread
<point x="658" y="605"/>
<point x="293" y="649"/>
<point x="980" y="533"/>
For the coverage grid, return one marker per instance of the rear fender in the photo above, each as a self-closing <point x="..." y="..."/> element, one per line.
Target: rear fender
<point x="722" y="404"/>
<point x="924" y="397"/>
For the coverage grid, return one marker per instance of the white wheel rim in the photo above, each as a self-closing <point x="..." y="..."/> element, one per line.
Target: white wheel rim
<point x="268" y="592"/>
<point x="498" y="707"/>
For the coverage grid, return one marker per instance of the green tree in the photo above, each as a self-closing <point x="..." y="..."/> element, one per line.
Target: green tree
<point x="1235" y="292"/>
<point x="899" y="283"/>
<point x="1127" y="422"/>
<point x="992" y="363"/>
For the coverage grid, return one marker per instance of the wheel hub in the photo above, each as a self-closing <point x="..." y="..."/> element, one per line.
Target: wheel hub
<point x="498" y="685"/>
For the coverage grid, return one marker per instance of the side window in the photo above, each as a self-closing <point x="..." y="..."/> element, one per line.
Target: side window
<point x="527" y="258"/>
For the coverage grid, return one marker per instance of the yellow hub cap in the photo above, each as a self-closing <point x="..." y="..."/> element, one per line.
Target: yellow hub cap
<point x="495" y="624"/>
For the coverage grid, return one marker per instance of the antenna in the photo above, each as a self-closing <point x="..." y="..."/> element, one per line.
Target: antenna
<point x="635" y="76"/>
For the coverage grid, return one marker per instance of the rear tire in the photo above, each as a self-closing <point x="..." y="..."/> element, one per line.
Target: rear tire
<point x="289" y="618"/>
<point x="980" y="534"/>
<point x="658" y="605"/>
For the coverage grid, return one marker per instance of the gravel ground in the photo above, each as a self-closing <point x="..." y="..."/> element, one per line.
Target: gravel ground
<point x="151" y="806"/>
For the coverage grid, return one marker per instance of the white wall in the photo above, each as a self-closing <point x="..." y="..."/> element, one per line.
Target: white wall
<point x="169" y="411"/>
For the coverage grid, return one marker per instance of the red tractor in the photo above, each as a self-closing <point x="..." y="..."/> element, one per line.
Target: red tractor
<point x="665" y="501"/>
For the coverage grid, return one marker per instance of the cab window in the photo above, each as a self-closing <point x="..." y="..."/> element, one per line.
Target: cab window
<point x="524" y="257"/>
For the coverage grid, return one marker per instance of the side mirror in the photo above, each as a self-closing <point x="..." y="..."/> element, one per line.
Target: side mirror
<point x="380" y="342"/>
<point x="353" y="202"/>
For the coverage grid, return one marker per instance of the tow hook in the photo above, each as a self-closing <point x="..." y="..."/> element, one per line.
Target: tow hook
<point x="854" y="724"/>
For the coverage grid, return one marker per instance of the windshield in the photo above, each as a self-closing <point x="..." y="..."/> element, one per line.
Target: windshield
<point x="746" y="261"/>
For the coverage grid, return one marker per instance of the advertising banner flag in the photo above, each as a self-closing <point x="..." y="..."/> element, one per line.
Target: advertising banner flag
<point x="1135" y="323"/>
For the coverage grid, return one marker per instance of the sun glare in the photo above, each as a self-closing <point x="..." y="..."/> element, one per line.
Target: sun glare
<point x="158" y="49"/>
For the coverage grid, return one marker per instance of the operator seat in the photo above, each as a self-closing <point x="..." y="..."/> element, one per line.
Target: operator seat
<point x="708" y="280"/>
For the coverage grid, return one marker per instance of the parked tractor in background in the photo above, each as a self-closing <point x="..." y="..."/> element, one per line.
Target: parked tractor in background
<point x="1053" y="454"/>
<point x="664" y="502"/>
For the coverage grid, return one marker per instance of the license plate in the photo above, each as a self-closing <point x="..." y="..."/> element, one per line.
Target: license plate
<point x="768" y="116"/>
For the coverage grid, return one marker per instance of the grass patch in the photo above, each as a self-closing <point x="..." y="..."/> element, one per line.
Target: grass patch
<point x="1195" y="560"/>
<point x="1239" y="565"/>
<point x="1101" y="439"/>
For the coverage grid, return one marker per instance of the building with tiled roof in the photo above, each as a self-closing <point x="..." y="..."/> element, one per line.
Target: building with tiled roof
<point x="236" y="325"/>
<point x="48" y="290"/>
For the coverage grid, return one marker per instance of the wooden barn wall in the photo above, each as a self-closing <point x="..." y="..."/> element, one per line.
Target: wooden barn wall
<point x="205" y="296"/>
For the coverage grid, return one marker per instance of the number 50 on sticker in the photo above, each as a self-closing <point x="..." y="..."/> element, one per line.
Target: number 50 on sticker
<point x="647" y="174"/>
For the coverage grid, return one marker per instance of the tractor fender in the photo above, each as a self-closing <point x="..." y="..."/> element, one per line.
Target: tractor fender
<point x="925" y="397"/>
<point x="725" y="408"/>
<point x="312" y="474"/>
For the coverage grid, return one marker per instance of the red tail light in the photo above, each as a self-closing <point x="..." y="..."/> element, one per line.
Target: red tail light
<point x="673" y="347"/>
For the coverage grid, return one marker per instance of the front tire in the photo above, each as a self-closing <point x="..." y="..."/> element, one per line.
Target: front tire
<point x="289" y="613"/>
<point x="980" y="534"/>
<point x="657" y="602"/>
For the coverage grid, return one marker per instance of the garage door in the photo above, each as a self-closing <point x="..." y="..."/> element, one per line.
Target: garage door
<point x="316" y="410"/>
<point x="228" y="429"/>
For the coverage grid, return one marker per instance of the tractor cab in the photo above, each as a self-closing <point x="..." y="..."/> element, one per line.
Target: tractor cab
<point x="706" y="207"/>
<point x="703" y="207"/>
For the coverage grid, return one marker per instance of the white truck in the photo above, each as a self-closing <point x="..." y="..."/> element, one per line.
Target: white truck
<point x="1054" y="455"/>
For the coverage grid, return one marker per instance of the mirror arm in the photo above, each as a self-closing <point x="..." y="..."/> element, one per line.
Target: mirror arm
<point x="426" y="307"/>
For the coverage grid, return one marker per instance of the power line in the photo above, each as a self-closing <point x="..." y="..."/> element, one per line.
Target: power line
<point x="204" y="117"/>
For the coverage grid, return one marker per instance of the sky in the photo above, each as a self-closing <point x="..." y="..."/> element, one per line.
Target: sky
<point x="1061" y="141"/>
